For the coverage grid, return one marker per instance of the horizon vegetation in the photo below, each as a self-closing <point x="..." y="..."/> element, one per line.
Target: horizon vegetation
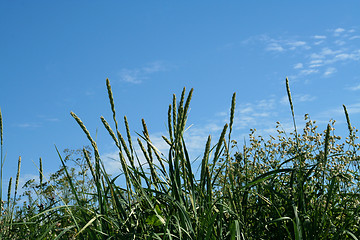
<point x="298" y="185"/>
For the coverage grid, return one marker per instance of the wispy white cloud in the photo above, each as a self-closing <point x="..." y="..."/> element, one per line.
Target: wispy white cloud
<point x="349" y="56"/>
<point x="344" y="56"/>
<point x="28" y="125"/>
<point x="154" y="67"/>
<point x="305" y="98"/>
<point x="316" y="56"/>
<point x="318" y="42"/>
<point x="89" y="93"/>
<point x="138" y="75"/>
<point x="276" y="47"/>
<point x="316" y="61"/>
<point x="298" y="66"/>
<point x="319" y="56"/>
<point x="40" y="121"/>
<point x="353" y="108"/>
<point x="258" y="113"/>
<point x="329" y="71"/>
<point x="340" y="42"/>
<point x="294" y="44"/>
<point x="319" y="37"/>
<point x="247" y="109"/>
<point x="338" y="31"/>
<point x="339" y="111"/>
<point x="328" y="51"/>
<point x="47" y="118"/>
<point x="297" y="98"/>
<point x="131" y="76"/>
<point x="52" y="119"/>
<point x="354" y="37"/>
<point x="354" y="88"/>
<point x="308" y="71"/>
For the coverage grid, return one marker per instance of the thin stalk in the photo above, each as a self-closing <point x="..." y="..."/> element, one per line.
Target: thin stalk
<point x="204" y="168"/>
<point x="232" y="113"/>
<point x="348" y="120"/>
<point x="97" y="160"/>
<point x="1" y="159"/>
<point x="17" y="179"/>
<point x="170" y="125"/>
<point x="174" y="115"/>
<point x="147" y="137"/>
<point x="41" y="179"/>
<point x="9" y="193"/>
<point x="16" y="188"/>
<point x="8" y="216"/>
<point x="129" y="141"/>
<point x="326" y="153"/>
<point x="292" y="111"/>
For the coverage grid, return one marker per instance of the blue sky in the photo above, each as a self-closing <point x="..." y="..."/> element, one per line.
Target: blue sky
<point x="56" y="55"/>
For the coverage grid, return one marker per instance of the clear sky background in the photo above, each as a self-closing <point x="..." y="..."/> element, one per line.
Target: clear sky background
<point x="56" y="55"/>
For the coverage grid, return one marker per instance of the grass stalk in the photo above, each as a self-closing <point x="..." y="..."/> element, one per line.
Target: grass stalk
<point x="292" y="111"/>
<point x="348" y="120"/>
<point x="1" y="161"/>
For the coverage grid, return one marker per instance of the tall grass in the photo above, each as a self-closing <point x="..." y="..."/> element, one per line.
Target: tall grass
<point x="1" y="160"/>
<point x="297" y="186"/>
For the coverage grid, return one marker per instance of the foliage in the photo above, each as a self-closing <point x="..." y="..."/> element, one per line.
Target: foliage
<point x="290" y="186"/>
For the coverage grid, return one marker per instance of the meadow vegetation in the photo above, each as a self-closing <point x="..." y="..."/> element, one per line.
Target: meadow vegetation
<point x="298" y="185"/>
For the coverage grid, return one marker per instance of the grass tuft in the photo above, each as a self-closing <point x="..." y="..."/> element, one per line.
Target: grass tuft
<point x="302" y="185"/>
